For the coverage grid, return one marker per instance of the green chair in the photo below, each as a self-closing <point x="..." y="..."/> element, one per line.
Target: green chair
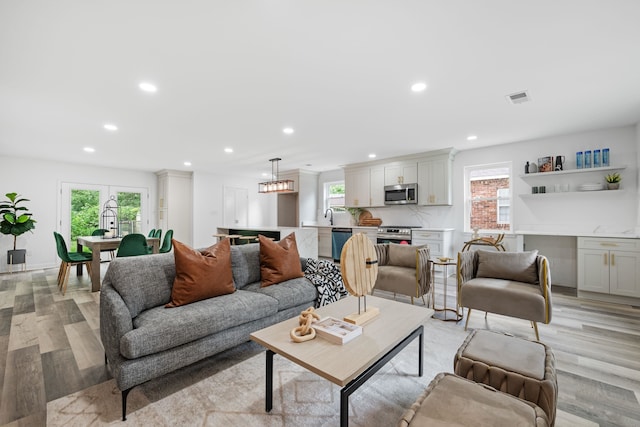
<point x="68" y="260"/>
<point x="166" y="243"/>
<point x="151" y="232"/>
<point x="100" y="232"/>
<point x="156" y="234"/>
<point x="132" y="245"/>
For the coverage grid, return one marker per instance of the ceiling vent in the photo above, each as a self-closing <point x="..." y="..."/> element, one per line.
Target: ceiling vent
<point x="519" y="97"/>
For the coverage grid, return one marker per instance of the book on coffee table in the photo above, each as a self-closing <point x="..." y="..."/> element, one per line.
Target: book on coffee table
<point x="336" y="331"/>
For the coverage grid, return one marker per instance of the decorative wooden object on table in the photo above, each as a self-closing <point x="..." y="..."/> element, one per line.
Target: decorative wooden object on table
<point x="366" y="220"/>
<point x="486" y="241"/>
<point x="359" y="268"/>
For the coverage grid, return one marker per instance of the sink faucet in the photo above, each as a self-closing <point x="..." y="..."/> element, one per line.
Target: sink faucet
<point x="330" y="212"/>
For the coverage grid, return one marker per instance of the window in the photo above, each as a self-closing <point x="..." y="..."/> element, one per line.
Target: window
<point x="334" y="195"/>
<point x="488" y="197"/>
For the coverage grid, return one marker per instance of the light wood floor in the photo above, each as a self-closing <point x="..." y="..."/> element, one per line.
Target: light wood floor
<point x="50" y="347"/>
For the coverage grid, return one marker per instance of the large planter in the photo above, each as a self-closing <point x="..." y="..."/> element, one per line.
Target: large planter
<point x="16" y="256"/>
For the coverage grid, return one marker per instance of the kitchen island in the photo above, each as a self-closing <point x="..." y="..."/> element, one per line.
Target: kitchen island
<point x="306" y="238"/>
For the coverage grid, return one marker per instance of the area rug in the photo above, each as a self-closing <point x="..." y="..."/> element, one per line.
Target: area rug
<point x="229" y="389"/>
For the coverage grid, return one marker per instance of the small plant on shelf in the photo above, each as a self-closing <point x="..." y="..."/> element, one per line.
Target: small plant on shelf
<point x="613" y="178"/>
<point x="613" y="181"/>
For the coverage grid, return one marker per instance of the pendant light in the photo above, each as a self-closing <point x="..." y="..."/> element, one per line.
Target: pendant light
<point x="275" y="185"/>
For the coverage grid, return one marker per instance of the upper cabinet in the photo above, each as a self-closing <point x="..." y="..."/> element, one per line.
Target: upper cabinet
<point x="376" y="186"/>
<point x="365" y="182"/>
<point x="357" y="187"/>
<point x="401" y="173"/>
<point x="434" y="181"/>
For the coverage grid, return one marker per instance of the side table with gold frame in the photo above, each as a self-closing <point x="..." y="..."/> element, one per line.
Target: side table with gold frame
<point x="441" y="313"/>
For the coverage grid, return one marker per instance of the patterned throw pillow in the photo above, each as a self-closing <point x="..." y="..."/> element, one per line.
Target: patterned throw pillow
<point x="327" y="279"/>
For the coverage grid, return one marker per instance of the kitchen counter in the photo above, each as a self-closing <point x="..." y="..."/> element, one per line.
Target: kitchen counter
<point x="340" y="226"/>
<point x="574" y="233"/>
<point x="306" y="238"/>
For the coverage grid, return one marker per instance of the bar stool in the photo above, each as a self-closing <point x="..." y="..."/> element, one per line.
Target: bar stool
<point x="231" y="237"/>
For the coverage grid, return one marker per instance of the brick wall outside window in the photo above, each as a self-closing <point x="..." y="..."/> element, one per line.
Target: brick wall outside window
<point x="484" y="214"/>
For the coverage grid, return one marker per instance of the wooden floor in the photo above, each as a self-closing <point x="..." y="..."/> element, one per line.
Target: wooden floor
<point x="50" y="347"/>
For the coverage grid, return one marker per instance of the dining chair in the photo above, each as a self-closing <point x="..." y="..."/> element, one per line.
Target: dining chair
<point x="69" y="259"/>
<point x="132" y="245"/>
<point x="166" y="243"/>
<point x="158" y="233"/>
<point x="151" y="232"/>
<point x="100" y="232"/>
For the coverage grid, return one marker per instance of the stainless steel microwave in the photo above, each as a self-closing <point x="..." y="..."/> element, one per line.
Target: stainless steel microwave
<point x="401" y="194"/>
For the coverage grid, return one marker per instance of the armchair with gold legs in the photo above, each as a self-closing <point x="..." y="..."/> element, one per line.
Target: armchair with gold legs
<point x="515" y="284"/>
<point x="404" y="269"/>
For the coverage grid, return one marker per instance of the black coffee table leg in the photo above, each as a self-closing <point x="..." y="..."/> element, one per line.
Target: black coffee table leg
<point x="269" y="393"/>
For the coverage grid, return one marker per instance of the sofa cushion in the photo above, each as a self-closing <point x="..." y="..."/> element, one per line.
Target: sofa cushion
<point x="518" y="266"/>
<point x="402" y="255"/>
<point x="289" y="293"/>
<point x="159" y="329"/>
<point x="245" y="264"/>
<point x="201" y="275"/>
<point x="279" y="261"/>
<point x="498" y="296"/>
<point x="143" y="282"/>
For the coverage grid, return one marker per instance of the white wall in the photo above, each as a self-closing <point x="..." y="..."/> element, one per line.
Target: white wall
<point x="208" y="207"/>
<point x="39" y="181"/>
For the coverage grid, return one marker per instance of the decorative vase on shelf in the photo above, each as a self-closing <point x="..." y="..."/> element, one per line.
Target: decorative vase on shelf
<point x="613" y="185"/>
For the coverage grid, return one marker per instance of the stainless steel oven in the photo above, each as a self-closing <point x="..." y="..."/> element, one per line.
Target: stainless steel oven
<point x="395" y="234"/>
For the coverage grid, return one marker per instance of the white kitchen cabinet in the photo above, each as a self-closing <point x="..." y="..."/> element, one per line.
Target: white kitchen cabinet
<point x="324" y="242"/>
<point x="434" y="181"/>
<point x="175" y="204"/>
<point x="370" y="232"/>
<point x="439" y="240"/>
<point x="609" y="266"/>
<point x="376" y="186"/>
<point x="301" y="205"/>
<point x="401" y="173"/>
<point x="356" y="187"/>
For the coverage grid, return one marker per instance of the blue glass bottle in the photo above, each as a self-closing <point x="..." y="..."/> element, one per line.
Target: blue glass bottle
<point x="605" y="157"/>
<point x="579" y="160"/>
<point x="587" y="159"/>
<point x="596" y="158"/>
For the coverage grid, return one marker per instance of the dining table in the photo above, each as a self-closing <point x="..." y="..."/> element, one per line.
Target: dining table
<point x="99" y="243"/>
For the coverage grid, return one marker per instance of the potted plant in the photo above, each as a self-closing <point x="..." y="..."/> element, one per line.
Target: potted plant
<point x="15" y="221"/>
<point x="613" y="181"/>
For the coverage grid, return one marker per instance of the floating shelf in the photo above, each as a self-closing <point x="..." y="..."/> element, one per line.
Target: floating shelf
<point x="597" y="193"/>
<point x="570" y="172"/>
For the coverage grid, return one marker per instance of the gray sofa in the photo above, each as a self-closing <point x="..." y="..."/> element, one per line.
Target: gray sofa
<point x="144" y="340"/>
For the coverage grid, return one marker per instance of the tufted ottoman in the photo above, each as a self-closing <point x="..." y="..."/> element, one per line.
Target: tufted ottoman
<point x="525" y="369"/>
<point x="452" y="400"/>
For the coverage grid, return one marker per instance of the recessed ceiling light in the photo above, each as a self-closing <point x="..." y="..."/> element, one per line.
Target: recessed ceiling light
<point x="419" y="86"/>
<point x="111" y="127"/>
<point x="372" y="156"/>
<point x="472" y="137"/>
<point x="228" y="150"/>
<point x="89" y="149"/>
<point x="187" y="163"/>
<point x="288" y="131"/>
<point x="148" y="87"/>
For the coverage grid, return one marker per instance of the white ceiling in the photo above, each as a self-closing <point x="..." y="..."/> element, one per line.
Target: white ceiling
<point x="234" y="73"/>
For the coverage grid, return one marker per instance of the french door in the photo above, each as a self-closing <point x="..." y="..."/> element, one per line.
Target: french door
<point x="87" y="207"/>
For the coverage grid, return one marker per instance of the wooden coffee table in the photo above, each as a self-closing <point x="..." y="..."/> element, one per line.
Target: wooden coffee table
<point x="352" y="364"/>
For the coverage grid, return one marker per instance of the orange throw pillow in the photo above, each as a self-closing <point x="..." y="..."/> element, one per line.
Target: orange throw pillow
<point x="279" y="261"/>
<point x="201" y="275"/>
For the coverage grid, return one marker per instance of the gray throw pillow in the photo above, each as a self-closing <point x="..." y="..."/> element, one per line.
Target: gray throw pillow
<point x="402" y="255"/>
<point x="518" y="266"/>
